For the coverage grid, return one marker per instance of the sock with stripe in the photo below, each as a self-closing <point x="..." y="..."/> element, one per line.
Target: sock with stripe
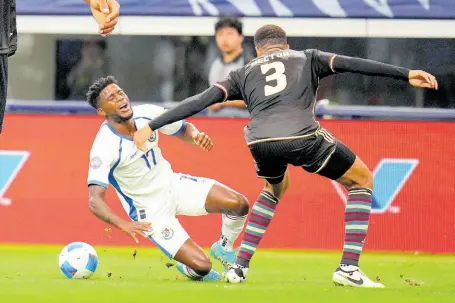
<point x="357" y="216"/>
<point x="261" y="215"/>
<point x="230" y="231"/>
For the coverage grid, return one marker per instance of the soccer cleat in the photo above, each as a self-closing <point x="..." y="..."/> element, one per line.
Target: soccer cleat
<point x="349" y="275"/>
<point x="213" y="275"/>
<point x="186" y="271"/>
<point x="227" y="258"/>
<point x="236" y="274"/>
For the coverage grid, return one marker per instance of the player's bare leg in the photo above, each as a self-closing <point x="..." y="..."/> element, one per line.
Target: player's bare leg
<point x="261" y="215"/>
<point x="234" y="209"/>
<point x="358" y="180"/>
<point x="224" y="200"/>
<point x="194" y="263"/>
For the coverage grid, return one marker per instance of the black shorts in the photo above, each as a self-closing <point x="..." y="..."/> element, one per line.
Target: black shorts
<point x="318" y="153"/>
<point x="3" y="86"/>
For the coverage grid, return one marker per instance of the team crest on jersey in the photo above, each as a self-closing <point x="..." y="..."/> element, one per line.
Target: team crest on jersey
<point x="153" y="137"/>
<point x="167" y="233"/>
<point x="95" y="162"/>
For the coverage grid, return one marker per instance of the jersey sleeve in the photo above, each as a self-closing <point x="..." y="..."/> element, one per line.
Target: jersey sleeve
<point x="322" y="63"/>
<point x="230" y="87"/>
<point x="101" y="162"/>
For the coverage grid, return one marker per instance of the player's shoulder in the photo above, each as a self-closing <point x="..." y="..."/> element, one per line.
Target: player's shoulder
<point x="311" y="52"/>
<point x="305" y="53"/>
<point x="105" y="140"/>
<point x="148" y="111"/>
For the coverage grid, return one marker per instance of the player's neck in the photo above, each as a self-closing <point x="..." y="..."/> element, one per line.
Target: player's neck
<point x="272" y="48"/>
<point x="229" y="57"/>
<point x="275" y="49"/>
<point x="126" y="128"/>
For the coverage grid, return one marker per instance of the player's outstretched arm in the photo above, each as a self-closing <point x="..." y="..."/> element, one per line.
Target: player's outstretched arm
<point x="185" y="109"/>
<point x="100" y="209"/>
<point x="188" y="107"/>
<point x="192" y="135"/>
<point x="106" y="13"/>
<point x="416" y="78"/>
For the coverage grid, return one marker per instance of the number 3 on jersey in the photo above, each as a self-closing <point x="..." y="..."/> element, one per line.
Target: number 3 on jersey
<point x="278" y="75"/>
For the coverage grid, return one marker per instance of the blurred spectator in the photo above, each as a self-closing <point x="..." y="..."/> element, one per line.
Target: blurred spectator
<point x="93" y="65"/>
<point x="229" y="39"/>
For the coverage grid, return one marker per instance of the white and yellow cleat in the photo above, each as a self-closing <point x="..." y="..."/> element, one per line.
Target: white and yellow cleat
<point x="349" y="275"/>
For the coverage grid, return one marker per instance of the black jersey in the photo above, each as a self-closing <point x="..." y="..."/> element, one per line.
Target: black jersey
<point x="279" y="89"/>
<point x="8" y="32"/>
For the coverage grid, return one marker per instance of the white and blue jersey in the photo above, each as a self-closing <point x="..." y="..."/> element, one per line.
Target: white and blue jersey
<point x="115" y="159"/>
<point x="145" y="183"/>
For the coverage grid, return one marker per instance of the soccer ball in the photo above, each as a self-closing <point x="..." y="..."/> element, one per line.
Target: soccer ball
<point x="78" y="260"/>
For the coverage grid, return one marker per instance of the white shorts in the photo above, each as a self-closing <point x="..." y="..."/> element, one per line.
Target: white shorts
<point x="187" y="197"/>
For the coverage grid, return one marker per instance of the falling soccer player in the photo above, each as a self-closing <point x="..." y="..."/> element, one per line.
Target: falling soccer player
<point x="151" y="193"/>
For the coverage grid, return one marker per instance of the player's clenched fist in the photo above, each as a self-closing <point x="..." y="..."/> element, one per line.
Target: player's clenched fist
<point x="203" y="140"/>
<point x="133" y="228"/>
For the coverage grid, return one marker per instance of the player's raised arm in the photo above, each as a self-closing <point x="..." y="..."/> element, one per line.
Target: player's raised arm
<point x="192" y="135"/>
<point x="185" y="109"/>
<point x="100" y="209"/>
<point x="327" y="63"/>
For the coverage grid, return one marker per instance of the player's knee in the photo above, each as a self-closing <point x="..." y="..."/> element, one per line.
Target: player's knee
<point x="365" y="180"/>
<point x="242" y="205"/>
<point x="278" y="189"/>
<point x="286" y="182"/>
<point x="202" y="265"/>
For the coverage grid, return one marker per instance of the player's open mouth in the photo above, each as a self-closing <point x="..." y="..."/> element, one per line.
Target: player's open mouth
<point x="124" y="107"/>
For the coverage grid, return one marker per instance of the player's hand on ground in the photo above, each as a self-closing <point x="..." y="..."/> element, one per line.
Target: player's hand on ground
<point x="141" y="137"/>
<point x="106" y="13"/>
<point x="203" y="140"/>
<point x="136" y="228"/>
<point x="420" y="78"/>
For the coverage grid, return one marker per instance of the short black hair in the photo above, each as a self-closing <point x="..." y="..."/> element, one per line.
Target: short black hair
<point x="96" y="88"/>
<point x="270" y="34"/>
<point x="229" y="22"/>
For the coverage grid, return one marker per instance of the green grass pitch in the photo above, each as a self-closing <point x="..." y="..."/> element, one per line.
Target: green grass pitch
<point x="31" y="274"/>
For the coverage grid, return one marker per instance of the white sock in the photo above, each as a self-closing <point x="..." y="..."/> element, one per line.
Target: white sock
<point x="232" y="227"/>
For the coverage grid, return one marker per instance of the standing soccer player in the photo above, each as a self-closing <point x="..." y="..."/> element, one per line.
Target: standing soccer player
<point x="279" y="88"/>
<point x="150" y="192"/>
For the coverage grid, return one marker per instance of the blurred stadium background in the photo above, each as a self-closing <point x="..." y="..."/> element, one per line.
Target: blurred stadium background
<point x="162" y="52"/>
